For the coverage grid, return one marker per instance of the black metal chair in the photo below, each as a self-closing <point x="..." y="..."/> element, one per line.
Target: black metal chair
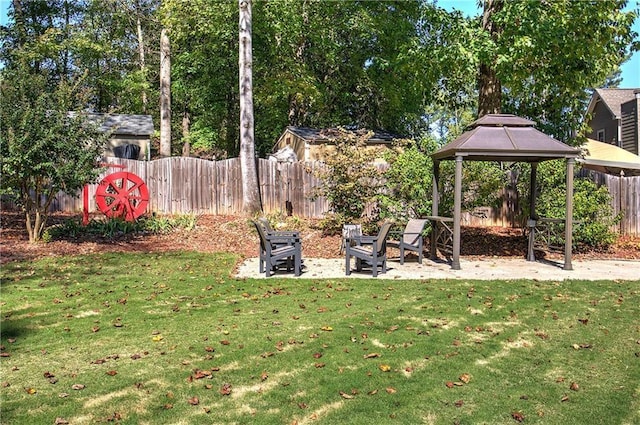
<point x="411" y="239"/>
<point x="279" y="250"/>
<point x="368" y="250"/>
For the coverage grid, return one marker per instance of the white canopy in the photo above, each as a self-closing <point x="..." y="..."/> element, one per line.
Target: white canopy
<point x="610" y="159"/>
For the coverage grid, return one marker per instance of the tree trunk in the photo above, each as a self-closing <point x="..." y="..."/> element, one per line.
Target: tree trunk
<point x="250" y="190"/>
<point x="143" y="66"/>
<point x="165" y="95"/>
<point x="489" y="87"/>
<point x="186" y="123"/>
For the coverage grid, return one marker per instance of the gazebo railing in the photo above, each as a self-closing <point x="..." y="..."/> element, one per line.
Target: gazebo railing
<point x="547" y="234"/>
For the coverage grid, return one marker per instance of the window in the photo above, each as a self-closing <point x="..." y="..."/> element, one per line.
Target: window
<point x="600" y="135"/>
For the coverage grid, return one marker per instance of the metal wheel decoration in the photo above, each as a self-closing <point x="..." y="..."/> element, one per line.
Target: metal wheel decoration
<point x="122" y="195"/>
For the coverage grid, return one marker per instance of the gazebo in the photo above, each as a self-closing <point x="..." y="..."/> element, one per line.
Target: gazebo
<point x="504" y="138"/>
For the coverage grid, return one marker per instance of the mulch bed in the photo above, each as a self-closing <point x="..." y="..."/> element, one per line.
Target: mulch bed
<point x="233" y="234"/>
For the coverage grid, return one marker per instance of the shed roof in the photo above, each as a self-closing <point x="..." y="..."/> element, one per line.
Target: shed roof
<point x="318" y="135"/>
<point x="121" y="124"/>
<point x="504" y="137"/>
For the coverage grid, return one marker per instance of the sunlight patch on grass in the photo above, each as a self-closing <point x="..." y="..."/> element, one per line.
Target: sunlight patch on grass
<point x="105" y="398"/>
<point x="318" y="413"/>
<point x="475" y="311"/>
<point x="506" y="349"/>
<point x="269" y="384"/>
<point x="87" y="313"/>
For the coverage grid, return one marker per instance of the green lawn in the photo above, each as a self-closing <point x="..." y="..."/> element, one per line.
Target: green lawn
<point x="172" y="339"/>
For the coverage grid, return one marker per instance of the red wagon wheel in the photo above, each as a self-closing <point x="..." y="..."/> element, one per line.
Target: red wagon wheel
<point x="123" y="195"/>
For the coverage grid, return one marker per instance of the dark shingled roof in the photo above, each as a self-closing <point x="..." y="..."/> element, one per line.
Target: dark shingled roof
<point x="502" y="137"/>
<point x="122" y="124"/>
<point x="614" y="98"/>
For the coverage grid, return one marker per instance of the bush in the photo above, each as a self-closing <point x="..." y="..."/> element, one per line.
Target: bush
<point x="117" y="227"/>
<point x="591" y="206"/>
<point x="350" y="180"/>
<point x="408" y="181"/>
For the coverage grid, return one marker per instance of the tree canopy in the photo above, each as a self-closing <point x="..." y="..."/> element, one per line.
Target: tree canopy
<point x="408" y="67"/>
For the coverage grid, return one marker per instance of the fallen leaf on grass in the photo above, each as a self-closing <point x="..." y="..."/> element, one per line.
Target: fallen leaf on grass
<point x="371" y="355"/>
<point x="517" y="416"/>
<point x="112" y="373"/>
<point x="574" y="387"/>
<point x="384" y="367"/>
<point x="194" y="401"/>
<point x="326" y="328"/>
<point x="226" y="389"/>
<point x="320" y="365"/>
<point x="345" y="395"/>
<point x="391" y="390"/>
<point x="61" y="421"/>
<point x="31" y="390"/>
<point x="115" y="417"/>
<point x="157" y="338"/>
<point x="78" y="387"/>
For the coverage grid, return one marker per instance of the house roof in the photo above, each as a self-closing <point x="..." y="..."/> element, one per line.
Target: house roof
<point x="503" y="137"/>
<point x="317" y="135"/>
<point x="613" y="99"/>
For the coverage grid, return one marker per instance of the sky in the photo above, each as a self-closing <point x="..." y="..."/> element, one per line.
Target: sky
<point x="630" y="69"/>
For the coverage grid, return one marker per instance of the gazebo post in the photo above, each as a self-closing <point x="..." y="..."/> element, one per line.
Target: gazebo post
<point x="435" y="197"/>
<point x="568" y="221"/>
<point x="455" y="261"/>
<point x="531" y="223"/>
<point x="434" y="208"/>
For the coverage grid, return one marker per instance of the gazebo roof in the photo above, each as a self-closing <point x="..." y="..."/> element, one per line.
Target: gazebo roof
<point x="504" y="137"/>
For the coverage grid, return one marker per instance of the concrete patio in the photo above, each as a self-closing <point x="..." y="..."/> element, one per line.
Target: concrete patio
<point x="494" y="268"/>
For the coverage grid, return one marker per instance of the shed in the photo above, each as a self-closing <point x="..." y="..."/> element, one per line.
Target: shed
<point x="309" y="143"/>
<point x="130" y="134"/>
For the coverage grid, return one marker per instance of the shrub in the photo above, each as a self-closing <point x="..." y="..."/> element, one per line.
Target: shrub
<point x="350" y="180"/>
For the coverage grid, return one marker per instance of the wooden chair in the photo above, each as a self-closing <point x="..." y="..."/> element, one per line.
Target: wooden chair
<point x="411" y="239"/>
<point x="278" y="237"/>
<point x="279" y="250"/>
<point x="369" y="250"/>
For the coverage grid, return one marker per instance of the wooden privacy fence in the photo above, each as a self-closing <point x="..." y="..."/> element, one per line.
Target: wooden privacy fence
<point x="625" y="198"/>
<point x="180" y="185"/>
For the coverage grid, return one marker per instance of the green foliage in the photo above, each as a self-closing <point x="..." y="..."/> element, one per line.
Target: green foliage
<point x="44" y="149"/>
<point x="117" y="227"/>
<point x="591" y="205"/>
<point x="350" y="180"/>
<point x="408" y="180"/>
<point x="549" y="54"/>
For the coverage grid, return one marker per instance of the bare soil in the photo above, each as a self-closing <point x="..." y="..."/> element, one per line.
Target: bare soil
<point x="234" y="234"/>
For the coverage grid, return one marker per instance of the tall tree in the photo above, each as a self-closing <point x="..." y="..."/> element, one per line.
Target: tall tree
<point x="489" y="87"/>
<point x="547" y="54"/>
<point x="250" y="189"/>
<point x="165" y="94"/>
